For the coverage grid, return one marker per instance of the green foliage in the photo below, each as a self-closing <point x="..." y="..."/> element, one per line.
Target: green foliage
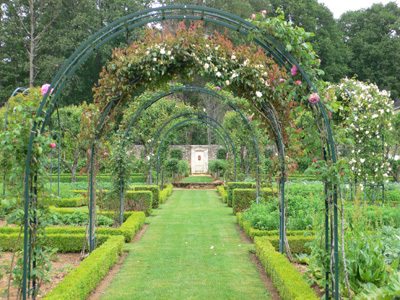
<point x="217" y="166"/>
<point x="237" y="185"/>
<point x="83" y="279"/>
<point x="154" y="189"/>
<point x="287" y="280"/>
<point x="243" y="198"/>
<point x="221" y="190"/>
<point x="176" y="153"/>
<point x="139" y="201"/>
<point x="221" y="153"/>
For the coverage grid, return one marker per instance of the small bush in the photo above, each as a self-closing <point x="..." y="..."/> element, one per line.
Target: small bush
<point x="176" y="153"/>
<point x="139" y="201"/>
<point x="154" y="189"/>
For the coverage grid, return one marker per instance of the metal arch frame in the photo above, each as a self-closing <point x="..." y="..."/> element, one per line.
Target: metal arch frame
<point x="181" y="125"/>
<point x="159" y="14"/>
<point x="212" y="93"/>
<point x="199" y="115"/>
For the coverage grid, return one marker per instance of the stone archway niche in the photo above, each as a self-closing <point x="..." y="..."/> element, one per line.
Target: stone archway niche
<point x="199" y="160"/>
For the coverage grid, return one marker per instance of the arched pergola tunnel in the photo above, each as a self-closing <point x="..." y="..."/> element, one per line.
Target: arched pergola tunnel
<point x="186" y="12"/>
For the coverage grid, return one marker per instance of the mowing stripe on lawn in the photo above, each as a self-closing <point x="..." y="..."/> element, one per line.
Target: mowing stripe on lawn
<point x="190" y="250"/>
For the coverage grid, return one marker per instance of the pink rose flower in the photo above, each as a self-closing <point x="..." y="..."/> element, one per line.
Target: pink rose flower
<point x="253" y="16"/>
<point x="294" y="70"/>
<point x="53" y="145"/>
<point x="45" y="88"/>
<point x="313" y="98"/>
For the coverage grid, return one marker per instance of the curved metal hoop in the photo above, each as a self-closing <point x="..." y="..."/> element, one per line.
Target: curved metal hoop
<point x="142" y="18"/>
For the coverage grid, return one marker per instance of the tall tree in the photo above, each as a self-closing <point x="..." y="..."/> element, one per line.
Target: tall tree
<point x="317" y="18"/>
<point x="373" y="36"/>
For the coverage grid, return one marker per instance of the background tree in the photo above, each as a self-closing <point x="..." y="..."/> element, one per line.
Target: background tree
<point x="373" y="35"/>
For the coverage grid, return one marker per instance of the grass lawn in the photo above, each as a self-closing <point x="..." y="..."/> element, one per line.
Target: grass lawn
<point x="190" y="250"/>
<point x="197" y="179"/>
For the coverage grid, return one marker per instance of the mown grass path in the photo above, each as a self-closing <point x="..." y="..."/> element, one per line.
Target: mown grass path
<point x="190" y="250"/>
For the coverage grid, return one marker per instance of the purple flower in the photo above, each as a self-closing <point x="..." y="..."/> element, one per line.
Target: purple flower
<point x="313" y="98"/>
<point x="294" y="70"/>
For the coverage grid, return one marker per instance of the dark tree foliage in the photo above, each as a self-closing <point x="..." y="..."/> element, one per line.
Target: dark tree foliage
<point x="373" y="35"/>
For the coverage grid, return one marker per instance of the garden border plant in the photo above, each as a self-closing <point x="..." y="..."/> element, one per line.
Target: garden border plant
<point x="272" y="93"/>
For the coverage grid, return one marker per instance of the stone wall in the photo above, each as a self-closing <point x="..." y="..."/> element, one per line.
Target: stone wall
<point x="186" y="151"/>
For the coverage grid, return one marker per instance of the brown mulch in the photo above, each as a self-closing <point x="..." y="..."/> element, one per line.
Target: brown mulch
<point x="60" y="269"/>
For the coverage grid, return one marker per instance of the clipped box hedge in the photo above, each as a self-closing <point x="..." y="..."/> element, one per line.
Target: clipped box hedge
<point x="67" y="202"/>
<point x="83" y="279"/>
<point x="139" y="201"/>
<point x="243" y="198"/>
<point x="128" y="229"/>
<point x="287" y="279"/>
<point x="166" y="192"/>
<point x="155" y="189"/>
<point x="237" y="185"/>
<point x="65" y="242"/>
<point x="221" y="190"/>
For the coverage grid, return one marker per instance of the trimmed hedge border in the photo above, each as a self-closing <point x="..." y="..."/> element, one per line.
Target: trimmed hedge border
<point x="237" y="185"/>
<point x="152" y="188"/>
<point x="139" y="201"/>
<point x="83" y="279"/>
<point x="63" y="242"/>
<point x="56" y="235"/>
<point x="288" y="280"/>
<point x="166" y="192"/>
<point x="221" y="190"/>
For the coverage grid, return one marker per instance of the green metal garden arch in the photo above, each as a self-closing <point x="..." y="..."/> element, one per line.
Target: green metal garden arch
<point x="138" y="19"/>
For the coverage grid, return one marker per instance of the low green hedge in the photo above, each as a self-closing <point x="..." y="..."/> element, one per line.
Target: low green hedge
<point x="221" y="190"/>
<point x="139" y="201"/>
<point x="288" y="280"/>
<point x="128" y="229"/>
<point x="166" y="192"/>
<point x="65" y="243"/>
<point x="243" y="198"/>
<point x="152" y="188"/>
<point x="84" y="278"/>
<point x="132" y="225"/>
<point x="68" y="202"/>
<point x="237" y="185"/>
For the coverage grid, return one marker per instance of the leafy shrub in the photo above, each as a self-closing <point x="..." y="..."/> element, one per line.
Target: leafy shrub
<point x="217" y="166"/>
<point x="154" y="189"/>
<point x="176" y="153"/>
<point x="221" y="153"/>
<point x="139" y="201"/>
